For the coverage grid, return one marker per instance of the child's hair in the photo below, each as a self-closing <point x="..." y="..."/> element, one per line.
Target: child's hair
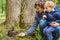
<point x="40" y="4"/>
<point x="49" y="4"/>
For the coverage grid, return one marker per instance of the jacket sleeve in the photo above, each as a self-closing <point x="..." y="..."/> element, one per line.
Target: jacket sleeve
<point x="33" y="27"/>
<point x="58" y="17"/>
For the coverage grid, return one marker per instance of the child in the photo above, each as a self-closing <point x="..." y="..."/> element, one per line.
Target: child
<point x="53" y="18"/>
<point x="39" y="6"/>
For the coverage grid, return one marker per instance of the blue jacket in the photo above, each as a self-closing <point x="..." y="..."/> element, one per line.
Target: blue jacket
<point x="53" y="16"/>
<point x="38" y="17"/>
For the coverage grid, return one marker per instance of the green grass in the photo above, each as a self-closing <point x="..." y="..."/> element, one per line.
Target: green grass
<point x="3" y="33"/>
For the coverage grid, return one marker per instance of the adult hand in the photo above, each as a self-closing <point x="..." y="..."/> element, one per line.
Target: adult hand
<point x="54" y="24"/>
<point x="21" y="34"/>
<point x="44" y="16"/>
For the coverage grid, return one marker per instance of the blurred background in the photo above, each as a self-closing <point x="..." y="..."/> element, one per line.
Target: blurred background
<point x="20" y="15"/>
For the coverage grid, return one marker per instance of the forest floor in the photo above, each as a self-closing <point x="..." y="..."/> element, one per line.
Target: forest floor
<point x="4" y="30"/>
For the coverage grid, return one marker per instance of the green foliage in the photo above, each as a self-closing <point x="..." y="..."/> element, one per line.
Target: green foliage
<point x="2" y="10"/>
<point x="1" y="34"/>
<point x="37" y="35"/>
<point x="57" y="3"/>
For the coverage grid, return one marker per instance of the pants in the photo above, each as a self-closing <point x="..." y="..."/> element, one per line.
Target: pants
<point x="48" y="31"/>
<point x="43" y="24"/>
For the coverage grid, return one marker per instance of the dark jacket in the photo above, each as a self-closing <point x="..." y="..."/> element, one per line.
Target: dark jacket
<point x="53" y="16"/>
<point x="38" y="17"/>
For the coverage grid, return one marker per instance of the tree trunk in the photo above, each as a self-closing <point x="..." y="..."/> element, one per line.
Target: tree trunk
<point x="27" y="12"/>
<point x="12" y="11"/>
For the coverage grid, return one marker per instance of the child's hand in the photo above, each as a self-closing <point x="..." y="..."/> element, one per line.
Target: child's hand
<point x="21" y="34"/>
<point x="54" y="24"/>
<point x="44" y="16"/>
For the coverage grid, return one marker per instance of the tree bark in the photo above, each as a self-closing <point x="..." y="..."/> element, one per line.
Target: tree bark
<point x="27" y="12"/>
<point x="12" y="11"/>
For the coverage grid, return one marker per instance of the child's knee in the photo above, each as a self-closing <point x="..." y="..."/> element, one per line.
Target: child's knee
<point x="43" y="22"/>
<point x="47" y="31"/>
<point x="44" y="30"/>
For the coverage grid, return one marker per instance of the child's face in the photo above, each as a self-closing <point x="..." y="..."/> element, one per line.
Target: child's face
<point x="39" y="9"/>
<point x="48" y="9"/>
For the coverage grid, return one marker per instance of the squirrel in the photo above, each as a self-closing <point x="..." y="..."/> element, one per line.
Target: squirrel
<point x="12" y="32"/>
